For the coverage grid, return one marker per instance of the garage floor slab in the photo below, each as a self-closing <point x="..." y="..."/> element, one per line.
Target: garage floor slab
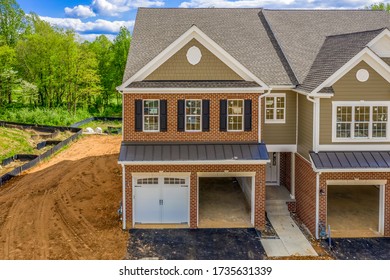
<point x="195" y="244"/>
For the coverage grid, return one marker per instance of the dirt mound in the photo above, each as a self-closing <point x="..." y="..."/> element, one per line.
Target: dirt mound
<point x="66" y="208"/>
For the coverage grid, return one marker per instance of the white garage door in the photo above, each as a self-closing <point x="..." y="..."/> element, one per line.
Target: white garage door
<point x="161" y="200"/>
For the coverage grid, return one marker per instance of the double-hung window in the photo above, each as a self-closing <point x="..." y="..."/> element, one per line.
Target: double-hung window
<point x="275" y="108"/>
<point x="193" y="115"/>
<point x="151" y="115"/>
<point x="360" y="121"/>
<point x="235" y="115"/>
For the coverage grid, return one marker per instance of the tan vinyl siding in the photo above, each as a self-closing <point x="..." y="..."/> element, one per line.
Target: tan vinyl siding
<point x="178" y="68"/>
<point x="305" y="126"/>
<point x="282" y="133"/>
<point x="348" y="88"/>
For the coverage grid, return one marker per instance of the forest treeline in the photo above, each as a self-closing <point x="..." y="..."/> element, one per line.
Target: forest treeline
<point x="43" y="66"/>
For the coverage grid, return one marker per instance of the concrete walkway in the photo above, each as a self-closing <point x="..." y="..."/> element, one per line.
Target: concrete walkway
<point x="291" y="240"/>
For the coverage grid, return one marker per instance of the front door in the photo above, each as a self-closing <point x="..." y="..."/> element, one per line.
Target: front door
<point x="272" y="170"/>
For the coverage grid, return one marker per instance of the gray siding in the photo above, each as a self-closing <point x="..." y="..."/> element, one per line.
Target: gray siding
<point x="305" y="126"/>
<point x="348" y="88"/>
<point x="278" y="133"/>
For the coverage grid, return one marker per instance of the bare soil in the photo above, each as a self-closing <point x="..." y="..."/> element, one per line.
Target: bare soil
<point x="66" y="208"/>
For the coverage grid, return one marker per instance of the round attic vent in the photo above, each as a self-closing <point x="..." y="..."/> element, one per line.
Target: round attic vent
<point x="362" y="75"/>
<point x="194" y="55"/>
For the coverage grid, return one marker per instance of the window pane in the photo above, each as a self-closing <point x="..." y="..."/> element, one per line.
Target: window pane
<point x="279" y="102"/>
<point x="379" y="113"/>
<point x="362" y="114"/>
<point x="193" y="113"/>
<point x="379" y="130"/>
<point x="280" y="114"/>
<point x="269" y="102"/>
<point x="343" y="130"/>
<point x="344" y="114"/>
<point x="235" y="123"/>
<point x="361" y="130"/>
<point x="269" y="114"/>
<point x="235" y="107"/>
<point x="150" y="123"/>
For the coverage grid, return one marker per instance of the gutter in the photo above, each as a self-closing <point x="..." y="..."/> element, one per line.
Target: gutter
<point x="123" y="197"/>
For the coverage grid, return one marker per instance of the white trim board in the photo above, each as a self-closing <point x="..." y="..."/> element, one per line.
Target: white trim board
<point x="194" y="90"/>
<point x="380" y="44"/>
<point x="193" y="33"/>
<point x="365" y="55"/>
<point x="282" y="148"/>
<point x="356" y="182"/>
<point x="354" y="147"/>
<point x="197" y="162"/>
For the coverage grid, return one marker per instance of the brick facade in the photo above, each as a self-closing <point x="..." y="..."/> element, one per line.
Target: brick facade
<point x="259" y="212"/>
<point x="172" y="135"/>
<point x="305" y="192"/>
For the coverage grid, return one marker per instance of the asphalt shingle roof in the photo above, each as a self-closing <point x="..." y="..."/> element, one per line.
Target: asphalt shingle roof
<point x="334" y="53"/>
<point x="237" y="31"/>
<point x="280" y="47"/>
<point x="301" y="33"/>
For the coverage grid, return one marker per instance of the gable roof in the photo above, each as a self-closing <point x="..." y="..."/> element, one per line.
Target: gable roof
<point x="301" y="33"/>
<point x="237" y="31"/>
<point x="279" y="47"/>
<point x="335" y="52"/>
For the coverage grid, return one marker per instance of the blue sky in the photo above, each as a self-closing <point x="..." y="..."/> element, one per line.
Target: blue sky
<point x="94" y="17"/>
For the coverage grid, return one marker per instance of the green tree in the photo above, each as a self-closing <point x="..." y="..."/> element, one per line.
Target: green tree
<point x="381" y="6"/>
<point x="12" y="21"/>
<point x="8" y="76"/>
<point x="120" y="51"/>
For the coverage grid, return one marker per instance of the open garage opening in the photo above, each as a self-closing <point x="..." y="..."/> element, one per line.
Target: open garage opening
<point x="225" y="202"/>
<point x="355" y="210"/>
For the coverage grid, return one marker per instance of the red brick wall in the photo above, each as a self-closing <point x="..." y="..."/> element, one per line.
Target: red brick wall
<point x="352" y="176"/>
<point x="285" y="170"/>
<point x="129" y="133"/>
<point x="305" y="192"/>
<point x="259" y="186"/>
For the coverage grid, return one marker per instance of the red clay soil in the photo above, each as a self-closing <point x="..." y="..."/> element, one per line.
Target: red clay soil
<point x="66" y="208"/>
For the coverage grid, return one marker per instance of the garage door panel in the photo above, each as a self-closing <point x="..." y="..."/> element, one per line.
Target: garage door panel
<point x="147" y="204"/>
<point x="175" y="208"/>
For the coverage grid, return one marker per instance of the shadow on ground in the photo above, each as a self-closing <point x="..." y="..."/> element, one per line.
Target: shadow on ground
<point x="361" y="248"/>
<point x="195" y="244"/>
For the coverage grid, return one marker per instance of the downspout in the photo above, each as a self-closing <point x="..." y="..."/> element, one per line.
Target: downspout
<point x="317" y="204"/>
<point x="259" y="113"/>
<point x="123" y="197"/>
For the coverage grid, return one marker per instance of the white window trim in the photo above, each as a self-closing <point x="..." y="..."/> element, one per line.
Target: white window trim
<point x="185" y="115"/>
<point x="242" y="114"/>
<point x="143" y="116"/>
<point x="370" y="104"/>
<point x="274" y="120"/>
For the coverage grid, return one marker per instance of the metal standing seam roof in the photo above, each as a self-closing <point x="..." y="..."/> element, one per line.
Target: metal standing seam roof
<point x="351" y="160"/>
<point x="194" y="84"/>
<point x="175" y="152"/>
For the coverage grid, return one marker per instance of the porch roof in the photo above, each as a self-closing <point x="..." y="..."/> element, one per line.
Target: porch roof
<point x="193" y="153"/>
<point x="351" y="160"/>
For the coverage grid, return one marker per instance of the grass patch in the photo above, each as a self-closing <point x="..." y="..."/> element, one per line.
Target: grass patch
<point x="15" y="141"/>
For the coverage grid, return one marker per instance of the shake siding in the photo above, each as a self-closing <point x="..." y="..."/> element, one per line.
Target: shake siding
<point x="178" y="68"/>
<point x="282" y="133"/>
<point x="305" y="126"/>
<point x="348" y="88"/>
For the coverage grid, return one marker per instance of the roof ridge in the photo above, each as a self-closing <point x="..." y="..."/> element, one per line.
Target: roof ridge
<point x="325" y="10"/>
<point x="358" y="32"/>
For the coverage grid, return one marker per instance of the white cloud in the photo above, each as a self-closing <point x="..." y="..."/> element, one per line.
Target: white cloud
<point x="278" y="4"/>
<point x="92" y="37"/>
<point x="232" y="4"/>
<point x="110" y="7"/>
<point x="80" y="11"/>
<point x="98" y="26"/>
